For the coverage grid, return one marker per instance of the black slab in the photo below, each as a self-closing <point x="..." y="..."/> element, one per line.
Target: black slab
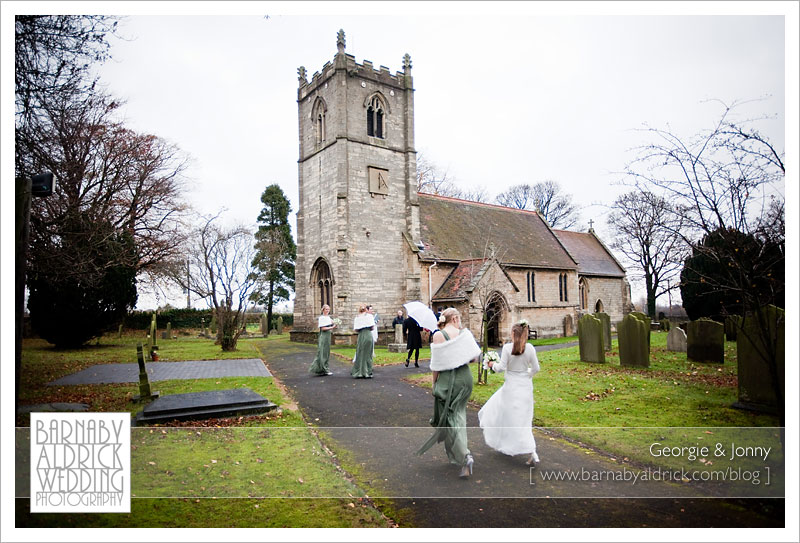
<point x="204" y="405"/>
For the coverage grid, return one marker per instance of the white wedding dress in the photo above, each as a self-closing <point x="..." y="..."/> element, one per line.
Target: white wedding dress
<point x="507" y="417"/>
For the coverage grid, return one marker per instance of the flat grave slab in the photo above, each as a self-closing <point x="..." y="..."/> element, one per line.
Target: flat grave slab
<point x="165" y="371"/>
<point x="204" y="405"/>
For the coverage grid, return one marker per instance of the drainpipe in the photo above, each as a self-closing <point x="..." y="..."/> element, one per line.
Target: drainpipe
<point x="430" y="292"/>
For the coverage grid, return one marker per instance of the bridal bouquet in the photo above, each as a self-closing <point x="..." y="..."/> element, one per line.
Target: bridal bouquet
<point x="490" y="356"/>
<point x="337" y="321"/>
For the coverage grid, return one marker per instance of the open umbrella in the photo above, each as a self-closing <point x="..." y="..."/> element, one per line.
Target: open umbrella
<point x="422" y="314"/>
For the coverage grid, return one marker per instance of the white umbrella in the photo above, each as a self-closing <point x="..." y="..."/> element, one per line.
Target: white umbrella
<point x="422" y="314"/>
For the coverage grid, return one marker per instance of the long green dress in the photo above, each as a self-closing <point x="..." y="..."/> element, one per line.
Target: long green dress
<point x="362" y="367"/>
<point x="320" y="365"/>
<point x="451" y="393"/>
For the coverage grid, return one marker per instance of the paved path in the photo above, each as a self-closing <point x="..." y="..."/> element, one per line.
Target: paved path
<point x="380" y="423"/>
<point x="164" y="371"/>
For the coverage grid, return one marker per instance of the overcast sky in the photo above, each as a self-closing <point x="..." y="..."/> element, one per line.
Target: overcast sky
<point x="527" y="93"/>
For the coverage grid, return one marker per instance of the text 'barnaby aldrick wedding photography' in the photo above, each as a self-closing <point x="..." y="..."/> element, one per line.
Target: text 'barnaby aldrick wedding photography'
<point x="80" y="462"/>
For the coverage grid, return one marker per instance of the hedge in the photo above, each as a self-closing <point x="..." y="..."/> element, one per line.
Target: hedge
<point x="188" y="318"/>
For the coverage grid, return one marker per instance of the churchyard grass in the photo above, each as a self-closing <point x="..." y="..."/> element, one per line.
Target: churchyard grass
<point x="235" y="472"/>
<point x="553" y="340"/>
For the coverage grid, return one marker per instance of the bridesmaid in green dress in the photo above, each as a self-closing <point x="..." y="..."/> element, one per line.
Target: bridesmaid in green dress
<point x="320" y="365"/>
<point x="363" y="323"/>
<point x="451" y="352"/>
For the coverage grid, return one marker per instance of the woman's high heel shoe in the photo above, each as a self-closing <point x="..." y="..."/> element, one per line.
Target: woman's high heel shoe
<point x="466" y="469"/>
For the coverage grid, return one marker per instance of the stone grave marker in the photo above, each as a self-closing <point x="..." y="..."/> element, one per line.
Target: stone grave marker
<point x="590" y="338"/>
<point x="705" y="341"/>
<point x="757" y="392"/>
<point x="634" y="348"/>
<point x="569" y="326"/>
<point x="144" y="382"/>
<point x="280" y="324"/>
<point x="204" y="405"/>
<point x="732" y="325"/>
<point x="398" y="346"/>
<point x="606" y="320"/>
<point x="676" y="340"/>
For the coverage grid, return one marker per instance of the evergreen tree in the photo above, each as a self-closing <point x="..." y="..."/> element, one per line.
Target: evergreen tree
<point x="275" y="250"/>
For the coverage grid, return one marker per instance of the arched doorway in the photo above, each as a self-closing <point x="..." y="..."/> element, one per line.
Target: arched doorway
<point x="322" y="284"/>
<point x="495" y="311"/>
<point x="598" y="307"/>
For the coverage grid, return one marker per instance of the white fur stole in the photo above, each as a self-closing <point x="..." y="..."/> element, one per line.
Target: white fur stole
<point x="455" y="352"/>
<point x="363" y="321"/>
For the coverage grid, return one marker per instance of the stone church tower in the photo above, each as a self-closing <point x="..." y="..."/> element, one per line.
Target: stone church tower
<point x="358" y="217"/>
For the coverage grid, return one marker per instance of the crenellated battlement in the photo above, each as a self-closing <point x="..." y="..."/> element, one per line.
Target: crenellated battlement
<point x="347" y="62"/>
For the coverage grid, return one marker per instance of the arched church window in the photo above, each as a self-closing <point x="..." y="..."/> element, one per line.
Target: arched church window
<point x="531" y="286"/>
<point x="562" y="287"/>
<point x="583" y="293"/>
<point x="376" y="118"/>
<point x="322" y="284"/>
<point x="318" y="118"/>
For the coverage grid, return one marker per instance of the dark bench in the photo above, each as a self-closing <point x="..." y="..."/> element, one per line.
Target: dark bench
<point x="533" y="334"/>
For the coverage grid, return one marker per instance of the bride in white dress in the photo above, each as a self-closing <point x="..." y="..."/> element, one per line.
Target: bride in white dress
<point x="507" y="417"/>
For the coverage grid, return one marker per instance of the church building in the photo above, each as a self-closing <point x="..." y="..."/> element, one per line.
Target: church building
<point x="365" y="235"/>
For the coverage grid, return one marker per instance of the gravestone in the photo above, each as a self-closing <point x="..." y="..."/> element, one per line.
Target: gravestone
<point x="273" y="332"/>
<point x="665" y="325"/>
<point x="119" y="332"/>
<point x="264" y="328"/>
<point x="647" y="320"/>
<point x="569" y="326"/>
<point x="144" y="382"/>
<point x="757" y="392"/>
<point x="398" y="346"/>
<point x="169" y="330"/>
<point x="606" y="320"/>
<point x="676" y="340"/>
<point x="590" y="338"/>
<point x="732" y="325"/>
<point x="705" y="341"/>
<point x="634" y="348"/>
<point x="204" y="405"/>
<point x="280" y="325"/>
<point x="153" y="341"/>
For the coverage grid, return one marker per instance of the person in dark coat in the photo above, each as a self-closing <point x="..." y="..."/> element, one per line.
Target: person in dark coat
<point x="398" y="319"/>
<point x="413" y="331"/>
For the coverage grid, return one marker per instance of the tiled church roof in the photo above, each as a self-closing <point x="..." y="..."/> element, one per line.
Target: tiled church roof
<point x="459" y="283"/>
<point x="456" y="230"/>
<point x="593" y="258"/>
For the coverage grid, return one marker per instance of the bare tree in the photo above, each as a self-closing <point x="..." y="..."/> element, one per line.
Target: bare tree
<point x="107" y="174"/>
<point x="547" y="198"/>
<point x="485" y="289"/>
<point x="645" y="227"/>
<point x="52" y="57"/>
<point x="221" y="272"/>
<point x="721" y="180"/>
<point x="478" y="193"/>
<point x="432" y="180"/>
